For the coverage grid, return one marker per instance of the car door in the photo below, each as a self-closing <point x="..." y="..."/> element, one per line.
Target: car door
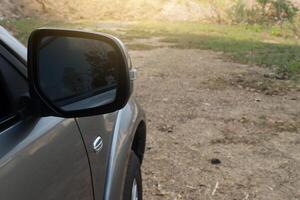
<point x="93" y="128"/>
<point x="40" y="158"/>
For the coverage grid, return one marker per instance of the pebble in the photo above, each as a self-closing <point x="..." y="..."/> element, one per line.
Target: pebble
<point x="215" y="161"/>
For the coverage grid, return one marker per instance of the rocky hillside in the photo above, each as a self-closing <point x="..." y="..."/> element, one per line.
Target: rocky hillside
<point x="183" y="10"/>
<point x="110" y="9"/>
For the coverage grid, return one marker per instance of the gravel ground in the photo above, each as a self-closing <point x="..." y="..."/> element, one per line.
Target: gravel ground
<point x="213" y="132"/>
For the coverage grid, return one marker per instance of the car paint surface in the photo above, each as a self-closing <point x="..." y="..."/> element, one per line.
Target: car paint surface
<point x="57" y="152"/>
<point x="36" y="164"/>
<point x="127" y="123"/>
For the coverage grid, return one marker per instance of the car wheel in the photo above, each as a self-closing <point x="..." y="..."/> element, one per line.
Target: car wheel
<point x="133" y="182"/>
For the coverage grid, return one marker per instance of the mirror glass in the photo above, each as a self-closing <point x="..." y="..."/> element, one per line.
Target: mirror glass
<point x="76" y="73"/>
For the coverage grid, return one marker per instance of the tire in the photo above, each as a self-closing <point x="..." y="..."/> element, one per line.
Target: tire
<point x="133" y="179"/>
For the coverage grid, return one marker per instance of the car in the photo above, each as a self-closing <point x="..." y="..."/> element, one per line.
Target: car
<point x="70" y="127"/>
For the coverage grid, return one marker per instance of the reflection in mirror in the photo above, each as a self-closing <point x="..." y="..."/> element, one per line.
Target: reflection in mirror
<point x="77" y="73"/>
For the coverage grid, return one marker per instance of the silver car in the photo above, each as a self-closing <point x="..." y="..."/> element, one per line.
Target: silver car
<point x="69" y="125"/>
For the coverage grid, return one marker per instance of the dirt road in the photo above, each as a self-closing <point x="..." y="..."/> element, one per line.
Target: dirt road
<point x="201" y="110"/>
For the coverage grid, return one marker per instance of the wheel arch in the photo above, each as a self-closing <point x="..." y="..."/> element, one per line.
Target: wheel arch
<point x="139" y="141"/>
<point x="130" y="123"/>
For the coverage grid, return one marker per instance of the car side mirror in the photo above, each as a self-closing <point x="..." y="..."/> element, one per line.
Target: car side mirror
<point x="78" y="74"/>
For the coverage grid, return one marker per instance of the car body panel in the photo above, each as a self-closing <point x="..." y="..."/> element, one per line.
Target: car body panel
<point x="91" y="128"/>
<point x="45" y="159"/>
<point x="126" y="125"/>
<point x="108" y="167"/>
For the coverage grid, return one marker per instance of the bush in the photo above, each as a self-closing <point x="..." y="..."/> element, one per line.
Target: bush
<point x="285" y="10"/>
<point x="265" y="12"/>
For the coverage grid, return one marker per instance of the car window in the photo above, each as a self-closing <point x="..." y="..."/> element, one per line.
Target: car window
<point x="12" y="87"/>
<point x="5" y="107"/>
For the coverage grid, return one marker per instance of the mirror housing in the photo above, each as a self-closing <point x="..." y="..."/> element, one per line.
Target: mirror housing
<point x="75" y="74"/>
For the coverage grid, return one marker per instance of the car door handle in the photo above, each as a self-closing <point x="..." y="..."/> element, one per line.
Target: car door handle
<point x="97" y="144"/>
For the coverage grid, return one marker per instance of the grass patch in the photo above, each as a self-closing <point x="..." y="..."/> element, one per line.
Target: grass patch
<point x="21" y="28"/>
<point x="256" y="82"/>
<point x="273" y="47"/>
<point x="136" y="46"/>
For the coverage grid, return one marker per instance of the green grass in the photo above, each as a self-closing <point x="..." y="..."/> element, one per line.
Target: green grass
<point x="270" y="47"/>
<point x="22" y="28"/>
<point x="137" y="46"/>
<point x="274" y="47"/>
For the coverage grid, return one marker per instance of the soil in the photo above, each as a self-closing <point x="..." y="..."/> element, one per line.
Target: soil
<point x="213" y="132"/>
